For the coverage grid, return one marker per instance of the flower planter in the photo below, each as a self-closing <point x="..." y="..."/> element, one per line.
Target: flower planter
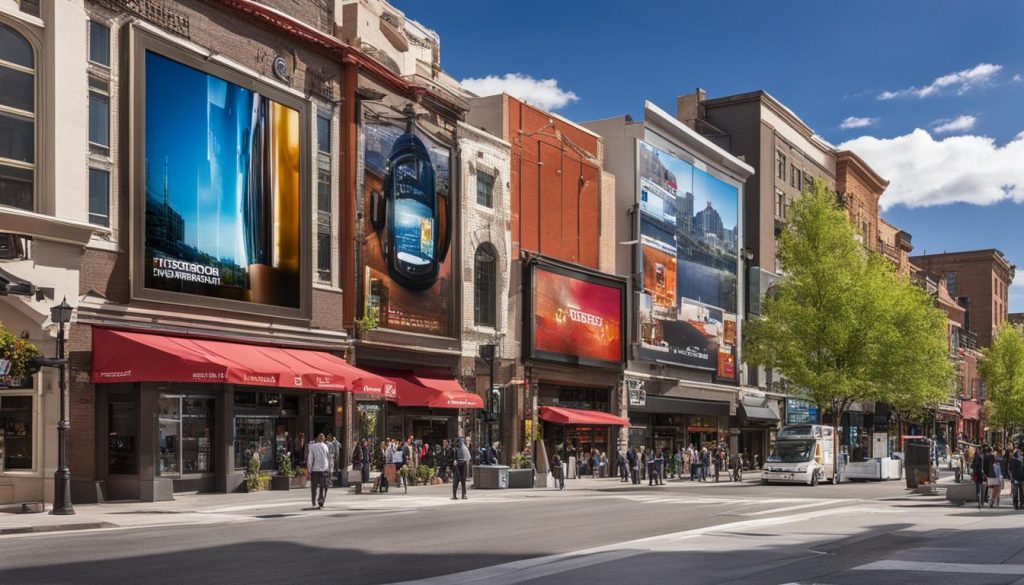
<point x="299" y="481"/>
<point x="520" y="478"/>
<point x="280" y="483"/>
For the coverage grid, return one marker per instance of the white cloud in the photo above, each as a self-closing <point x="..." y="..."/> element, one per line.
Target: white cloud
<point x="1017" y="78"/>
<point x="543" y="93"/>
<point x="961" y="81"/>
<point x="957" y="124"/>
<point x="924" y="171"/>
<point x="855" y="122"/>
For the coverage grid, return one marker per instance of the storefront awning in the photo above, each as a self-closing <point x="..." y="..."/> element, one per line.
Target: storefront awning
<point x="575" y="416"/>
<point x="429" y="388"/>
<point x="759" y="410"/>
<point x="128" y="356"/>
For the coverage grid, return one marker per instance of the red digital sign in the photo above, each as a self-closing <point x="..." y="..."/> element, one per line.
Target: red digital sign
<point x="576" y="318"/>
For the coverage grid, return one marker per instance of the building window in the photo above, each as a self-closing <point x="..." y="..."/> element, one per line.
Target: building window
<point x="808" y="179"/>
<point x="780" y="165"/>
<point x="17" y="120"/>
<point x="99" y="115"/>
<point x="323" y="198"/>
<point x="951" y="283"/>
<point x="484" y="189"/>
<point x="186" y="435"/>
<point x="794" y="176"/>
<point x="99" y="197"/>
<point x="485" y="286"/>
<point x="99" y="43"/>
<point x="780" y="204"/>
<point x="16" y="432"/>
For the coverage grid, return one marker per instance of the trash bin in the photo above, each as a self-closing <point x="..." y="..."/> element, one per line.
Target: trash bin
<point x="490" y="477"/>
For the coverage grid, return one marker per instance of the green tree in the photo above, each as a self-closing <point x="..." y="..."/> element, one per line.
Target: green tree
<point x="840" y="325"/>
<point x="1002" y="370"/>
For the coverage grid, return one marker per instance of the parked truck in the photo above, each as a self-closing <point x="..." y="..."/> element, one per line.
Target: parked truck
<point x="802" y="454"/>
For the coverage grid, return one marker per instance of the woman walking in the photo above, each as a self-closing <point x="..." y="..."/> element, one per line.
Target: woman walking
<point x="995" y="480"/>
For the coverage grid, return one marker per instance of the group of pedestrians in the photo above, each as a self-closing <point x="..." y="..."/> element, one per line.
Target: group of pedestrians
<point x="697" y="464"/>
<point x="990" y="471"/>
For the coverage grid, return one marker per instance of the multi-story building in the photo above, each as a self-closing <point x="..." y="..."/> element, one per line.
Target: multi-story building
<point x="563" y="290"/>
<point x="859" y="187"/>
<point x="896" y="245"/>
<point x="682" y="196"/>
<point x="53" y="212"/>
<point x="979" y="280"/>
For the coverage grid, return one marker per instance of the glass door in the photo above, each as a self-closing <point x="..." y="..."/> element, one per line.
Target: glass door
<point x="169" y="443"/>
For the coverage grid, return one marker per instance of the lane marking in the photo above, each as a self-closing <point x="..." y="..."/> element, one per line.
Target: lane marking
<point x="930" y="567"/>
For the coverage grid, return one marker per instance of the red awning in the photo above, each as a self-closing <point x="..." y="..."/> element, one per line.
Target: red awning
<point x="575" y="416"/>
<point x="128" y="356"/>
<point x="429" y="388"/>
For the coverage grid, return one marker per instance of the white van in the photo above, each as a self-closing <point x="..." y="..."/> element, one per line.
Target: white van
<point x="803" y="454"/>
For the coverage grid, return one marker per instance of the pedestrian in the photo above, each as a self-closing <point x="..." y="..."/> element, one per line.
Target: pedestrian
<point x="633" y="462"/>
<point x="644" y="462"/>
<point x="604" y="464"/>
<point x="460" y="469"/>
<point x="705" y="463"/>
<point x="657" y="462"/>
<point x="319" y="464"/>
<point x="1016" y="473"/>
<point x="333" y="451"/>
<point x="359" y="458"/>
<point x="978" y="476"/>
<point x="557" y="472"/>
<point x="623" y="466"/>
<point x="595" y="463"/>
<point x="398" y="457"/>
<point x="444" y="460"/>
<point x="691" y="462"/>
<point x="995" y="480"/>
<point x="299" y="451"/>
<point x="677" y="457"/>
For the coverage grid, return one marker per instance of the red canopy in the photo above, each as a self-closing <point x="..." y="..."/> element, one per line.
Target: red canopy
<point x="128" y="356"/>
<point x="575" y="416"/>
<point x="429" y="388"/>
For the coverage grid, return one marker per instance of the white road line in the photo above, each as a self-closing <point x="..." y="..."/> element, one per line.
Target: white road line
<point x="528" y="569"/>
<point x="928" y="567"/>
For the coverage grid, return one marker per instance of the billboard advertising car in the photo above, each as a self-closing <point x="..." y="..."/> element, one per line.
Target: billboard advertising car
<point x="689" y="262"/>
<point x="573" y="316"/>
<point x="222" y="205"/>
<point x="407" y="266"/>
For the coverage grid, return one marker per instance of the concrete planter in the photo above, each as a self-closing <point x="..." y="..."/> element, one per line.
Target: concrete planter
<point x="280" y="483"/>
<point x="520" y="478"/>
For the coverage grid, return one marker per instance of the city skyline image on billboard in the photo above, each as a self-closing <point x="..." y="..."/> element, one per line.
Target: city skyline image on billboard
<point x="222" y="196"/>
<point x="689" y="261"/>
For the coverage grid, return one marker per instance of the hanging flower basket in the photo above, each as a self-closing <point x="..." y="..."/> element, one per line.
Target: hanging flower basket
<point x="17" y="355"/>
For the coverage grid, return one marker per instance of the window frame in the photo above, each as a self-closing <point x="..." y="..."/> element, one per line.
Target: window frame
<point x="780" y="165"/>
<point x="30" y="167"/>
<point x="490" y="319"/>
<point x="485" y="178"/>
<point x="91" y="24"/>
<point x="324" y="177"/>
<point x="106" y="198"/>
<point x="35" y="454"/>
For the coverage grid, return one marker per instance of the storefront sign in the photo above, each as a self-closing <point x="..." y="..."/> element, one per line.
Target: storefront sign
<point x="800" y="412"/>
<point x="408" y="222"/>
<point x="637" y="394"/>
<point x="222" y="197"/>
<point x="689" y="261"/>
<point x="574" y="316"/>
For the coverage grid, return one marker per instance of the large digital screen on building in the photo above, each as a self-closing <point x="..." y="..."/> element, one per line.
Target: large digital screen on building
<point x="576" y="317"/>
<point x="406" y="191"/>
<point x="689" y="262"/>
<point x="222" y="188"/>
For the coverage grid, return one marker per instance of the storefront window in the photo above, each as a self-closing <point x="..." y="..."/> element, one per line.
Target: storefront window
<point x="123" y="425"/>
<point x="326" y="414"/>
<point x="16" y="433"/>
<point x="254" y="435"/>
<point x="186" y="435"/>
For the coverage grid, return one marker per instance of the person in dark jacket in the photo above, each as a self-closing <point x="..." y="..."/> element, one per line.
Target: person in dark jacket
<point x="1016" y="472"/>
<point x="654" y="471"/>
<point x="444" y="459"/>
<point x="460" y="467"/>
<point x="634" y="472"/>
<point x="557" y="472"/>
<point x="978" y="475"/>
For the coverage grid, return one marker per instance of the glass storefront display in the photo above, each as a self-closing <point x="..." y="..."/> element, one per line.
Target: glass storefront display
<point x="185" y="430"/>
<point x="266" y="425"/>
<point x="255" y="435"/>
<point x="123" y="426"/>
<point x="16" y="432"/>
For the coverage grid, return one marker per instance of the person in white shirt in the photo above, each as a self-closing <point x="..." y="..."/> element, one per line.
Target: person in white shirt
<point x="319" y="463"/>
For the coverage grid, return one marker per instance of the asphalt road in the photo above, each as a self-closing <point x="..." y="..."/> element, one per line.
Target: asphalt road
<point x="744" y="533"/>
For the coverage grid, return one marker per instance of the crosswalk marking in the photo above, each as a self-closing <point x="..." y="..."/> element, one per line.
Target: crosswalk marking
<point x="929" y="567"/>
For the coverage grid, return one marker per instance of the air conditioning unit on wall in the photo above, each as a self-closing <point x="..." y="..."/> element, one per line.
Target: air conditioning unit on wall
<point x="12" y="246"/>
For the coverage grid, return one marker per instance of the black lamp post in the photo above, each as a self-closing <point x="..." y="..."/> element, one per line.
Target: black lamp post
<point x="489" y="353"/>
<point x="60" y="315"/>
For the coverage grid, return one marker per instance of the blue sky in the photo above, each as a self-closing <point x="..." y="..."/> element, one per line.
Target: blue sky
<point x="932" y="91"/>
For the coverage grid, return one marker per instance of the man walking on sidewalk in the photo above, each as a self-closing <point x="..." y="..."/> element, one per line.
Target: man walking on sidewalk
<point x="319" y="463"/>
<point x="460" y="468"/>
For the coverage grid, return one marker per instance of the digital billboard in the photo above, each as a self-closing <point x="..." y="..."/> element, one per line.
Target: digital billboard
<point x="222" y="188"/>
<point x="574" y="317"/>
<point x="689" y="261"/>
<point x="406" y="262"/>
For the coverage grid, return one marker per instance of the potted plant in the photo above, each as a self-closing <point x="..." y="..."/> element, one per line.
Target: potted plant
<point x="300" y="479"/>
<point x="520" y="474"/>
<point x="256" y="480"/>
<point x="285" y="472"/>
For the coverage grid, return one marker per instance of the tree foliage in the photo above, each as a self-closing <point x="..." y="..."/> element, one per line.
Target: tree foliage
<point x="841" y="326"/>
<point x="1002" y="370"/>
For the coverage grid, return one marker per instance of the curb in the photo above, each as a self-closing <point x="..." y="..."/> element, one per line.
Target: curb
<point x="56" y="528"/>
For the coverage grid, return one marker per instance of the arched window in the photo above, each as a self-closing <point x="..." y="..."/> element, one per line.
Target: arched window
<point x="485" y="286"/>
<point x="17" y="120"/>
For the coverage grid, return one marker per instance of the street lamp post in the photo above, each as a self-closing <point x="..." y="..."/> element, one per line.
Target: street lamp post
<point x="60" y="315"/>
<point x="489" y="352"/>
